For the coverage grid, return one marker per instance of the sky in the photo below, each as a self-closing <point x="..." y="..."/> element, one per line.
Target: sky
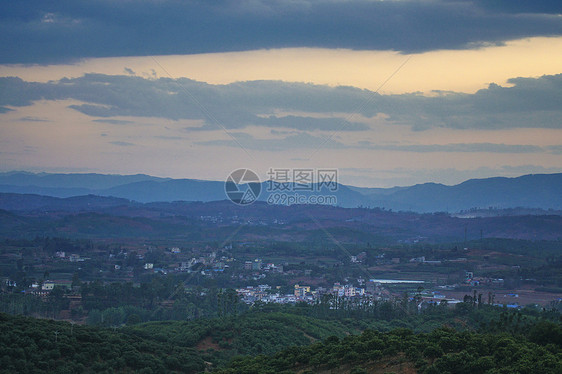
<point x="390" y="93"/>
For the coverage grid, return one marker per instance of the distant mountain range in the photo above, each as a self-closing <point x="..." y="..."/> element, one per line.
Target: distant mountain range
<point x="537" y="191"/>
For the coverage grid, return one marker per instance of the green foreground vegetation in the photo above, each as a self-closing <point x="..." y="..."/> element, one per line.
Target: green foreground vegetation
<point x="274" y="339"/>
<point x="29" y="345"/>
<point x="442" y="351"/>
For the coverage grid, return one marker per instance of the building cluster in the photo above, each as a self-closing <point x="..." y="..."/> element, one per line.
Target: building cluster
<point x="236" y="220"/>
<point x="205" y="264"/>
<point x="302" y="293"/>
<point x="361" y="257"/>
<point x="258" y="265"/>
<point x="40" y="288"/>
<point x="422" y="260"/>
<point x="473" y="281"/>
<point x="73" y="257"/>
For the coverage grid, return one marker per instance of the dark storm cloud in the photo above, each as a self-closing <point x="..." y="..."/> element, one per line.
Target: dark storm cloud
<point x="526" y="103"/>
<point x="521" y="6"/>
<point x="304" y="140"/>
<point x="113" y="121"/>
<point x="556" y="149"/>
<point x="37" y="31"/>
<point x="122" y="144"/>
<point x="530" y="102"/>
<point x="458" y="147"/>
<point x="232" y="106"/>
<point x="33" y="119"/>
<point x="295" y="141"/>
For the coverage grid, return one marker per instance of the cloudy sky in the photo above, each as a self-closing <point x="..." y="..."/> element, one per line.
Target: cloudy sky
<point x="389" y="92"/>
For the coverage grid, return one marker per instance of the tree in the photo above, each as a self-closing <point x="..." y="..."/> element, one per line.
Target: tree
<point x="133" y="319"/>
<point x="75" y="280"/>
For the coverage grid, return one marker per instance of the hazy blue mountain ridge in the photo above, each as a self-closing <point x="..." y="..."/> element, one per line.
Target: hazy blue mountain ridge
<point x="540" y="191"/>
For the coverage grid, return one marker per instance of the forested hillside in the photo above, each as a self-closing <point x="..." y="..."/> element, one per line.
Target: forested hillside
<point x="268" y="329"/>
<point x="269" y="339"/>
<point x="29" y="345"/>
<point x="401" y="351"/>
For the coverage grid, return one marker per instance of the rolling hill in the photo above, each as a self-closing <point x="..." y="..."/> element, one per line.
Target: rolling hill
<point x="537" y="191"/>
